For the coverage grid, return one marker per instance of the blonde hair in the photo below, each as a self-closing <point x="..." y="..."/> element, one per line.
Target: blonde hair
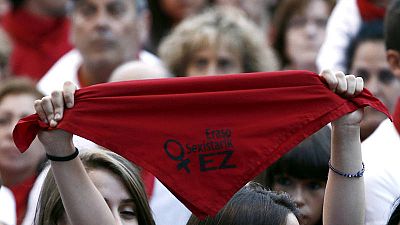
<point x="206" y="30"/>
<point x="50" y="208"/>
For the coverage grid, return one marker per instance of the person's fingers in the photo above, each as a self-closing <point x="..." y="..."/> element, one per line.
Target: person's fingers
<point x="342" y="83"/>
<point x="351" y="85"/>
<point x="359" y="85"/>
<point x="48" y="109"/>
<point x="58" y="104"/>
<point x="39" y="110"/>
<point x="68" y="93"/>
<point x="330" y="79"/>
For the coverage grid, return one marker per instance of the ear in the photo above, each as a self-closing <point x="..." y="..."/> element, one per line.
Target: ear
<point x="393" y="58"/>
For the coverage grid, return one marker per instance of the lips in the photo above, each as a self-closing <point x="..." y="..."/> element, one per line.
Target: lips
<point x="102" y="43"/>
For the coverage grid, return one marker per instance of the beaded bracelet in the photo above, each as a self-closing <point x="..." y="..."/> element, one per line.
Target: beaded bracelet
<point x="63" y="158"/>
<point x="358" y="174"/>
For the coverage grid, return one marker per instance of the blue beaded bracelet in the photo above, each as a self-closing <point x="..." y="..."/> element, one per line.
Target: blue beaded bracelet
<point x="358" y="174"/>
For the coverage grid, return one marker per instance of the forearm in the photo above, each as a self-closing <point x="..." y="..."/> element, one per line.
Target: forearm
<point x="344" y="197"/>
<point x="83" y="203"/>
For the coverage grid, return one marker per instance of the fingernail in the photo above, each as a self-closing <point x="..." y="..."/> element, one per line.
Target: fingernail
<point x="57" y="116"/>
<point x="69" y="105"/>
<point x="53" y="123"/>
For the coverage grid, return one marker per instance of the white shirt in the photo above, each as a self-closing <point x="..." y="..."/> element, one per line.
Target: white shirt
<point x="381" y="156"/>
<point x="7" y="207"/>
<point x="66" y="69"/>
<point x="343" y="25"/>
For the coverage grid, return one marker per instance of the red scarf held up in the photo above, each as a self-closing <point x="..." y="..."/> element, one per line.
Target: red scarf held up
<point x="203" y="137"/>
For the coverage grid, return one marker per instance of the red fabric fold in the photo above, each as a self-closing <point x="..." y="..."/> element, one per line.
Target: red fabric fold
<point x="203" y="137"/>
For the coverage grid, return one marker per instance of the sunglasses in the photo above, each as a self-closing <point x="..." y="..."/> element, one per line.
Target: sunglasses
<point x="385" y="76"/>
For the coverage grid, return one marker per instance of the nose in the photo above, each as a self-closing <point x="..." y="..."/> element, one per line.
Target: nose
<point x="298" y="197"/>
<point x="117" y="218"/>
<point x="212" y="69"/>
<point x="102" y="22"/>
<point x="310" y="29"/>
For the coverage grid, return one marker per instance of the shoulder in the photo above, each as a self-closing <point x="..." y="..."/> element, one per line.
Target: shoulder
<point x="65" y="69"/>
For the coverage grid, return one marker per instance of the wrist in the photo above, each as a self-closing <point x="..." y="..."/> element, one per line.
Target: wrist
<point x="62" y="150"/>
<point x="346" y="128"/>
<point x="63" y="158"/>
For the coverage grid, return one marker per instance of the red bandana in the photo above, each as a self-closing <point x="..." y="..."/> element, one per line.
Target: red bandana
<point x="203" y="137"/>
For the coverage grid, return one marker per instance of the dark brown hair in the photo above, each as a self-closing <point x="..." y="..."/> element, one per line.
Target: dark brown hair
<point x="253" y="204"/>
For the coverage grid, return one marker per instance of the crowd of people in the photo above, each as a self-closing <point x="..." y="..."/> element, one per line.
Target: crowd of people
<point x="345" y="173"/>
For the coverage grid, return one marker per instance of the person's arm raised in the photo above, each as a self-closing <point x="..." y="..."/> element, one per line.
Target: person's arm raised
<point x="344" y="201"/>
<point x="83" y="203"/>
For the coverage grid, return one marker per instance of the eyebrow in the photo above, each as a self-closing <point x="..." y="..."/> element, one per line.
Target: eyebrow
<point x="128" y="200"/>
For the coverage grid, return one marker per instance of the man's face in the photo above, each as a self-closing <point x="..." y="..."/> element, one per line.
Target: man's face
<point x="106" y="31"/>
<point x="369" y="62"/>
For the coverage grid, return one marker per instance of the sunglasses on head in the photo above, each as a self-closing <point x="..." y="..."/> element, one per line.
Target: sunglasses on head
<point x="385" y="76"/>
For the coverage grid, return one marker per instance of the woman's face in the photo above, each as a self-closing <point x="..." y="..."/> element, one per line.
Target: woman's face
<point x="12" y="108"/>
<point x="116" y="195"/>
<point x="308" y="194"/>
<point x="214" y="60"/>
<point x="305" y="34"/>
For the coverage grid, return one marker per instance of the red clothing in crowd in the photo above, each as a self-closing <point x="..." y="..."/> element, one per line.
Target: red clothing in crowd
<point x="38" y="42"/>
<point x="203" y="137"/>
<point x="370" y="11"/>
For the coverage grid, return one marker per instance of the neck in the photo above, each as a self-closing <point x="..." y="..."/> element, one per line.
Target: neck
<point x="95" y="74"/>
<point x="12" y="178"/>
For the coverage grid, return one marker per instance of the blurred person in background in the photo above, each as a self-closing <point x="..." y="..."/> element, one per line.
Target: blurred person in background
<point x="5" y="51"/>
<point x="302" y="173"/>
<point x="343" y="26"/>
<point x="4" y="7"/>
<point x="256" y="10"/>
<point x="136" y="70"/>
<point x="39" y="30"/>
<point x="166" y="14"/>
<point x="18" y="171"/>
<point x="106" y="34"/>
<point x="381" y="149"/>
<point x="298" y="32"/>
<point x="219" y="41"/>
<point x="366" y="57"/>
